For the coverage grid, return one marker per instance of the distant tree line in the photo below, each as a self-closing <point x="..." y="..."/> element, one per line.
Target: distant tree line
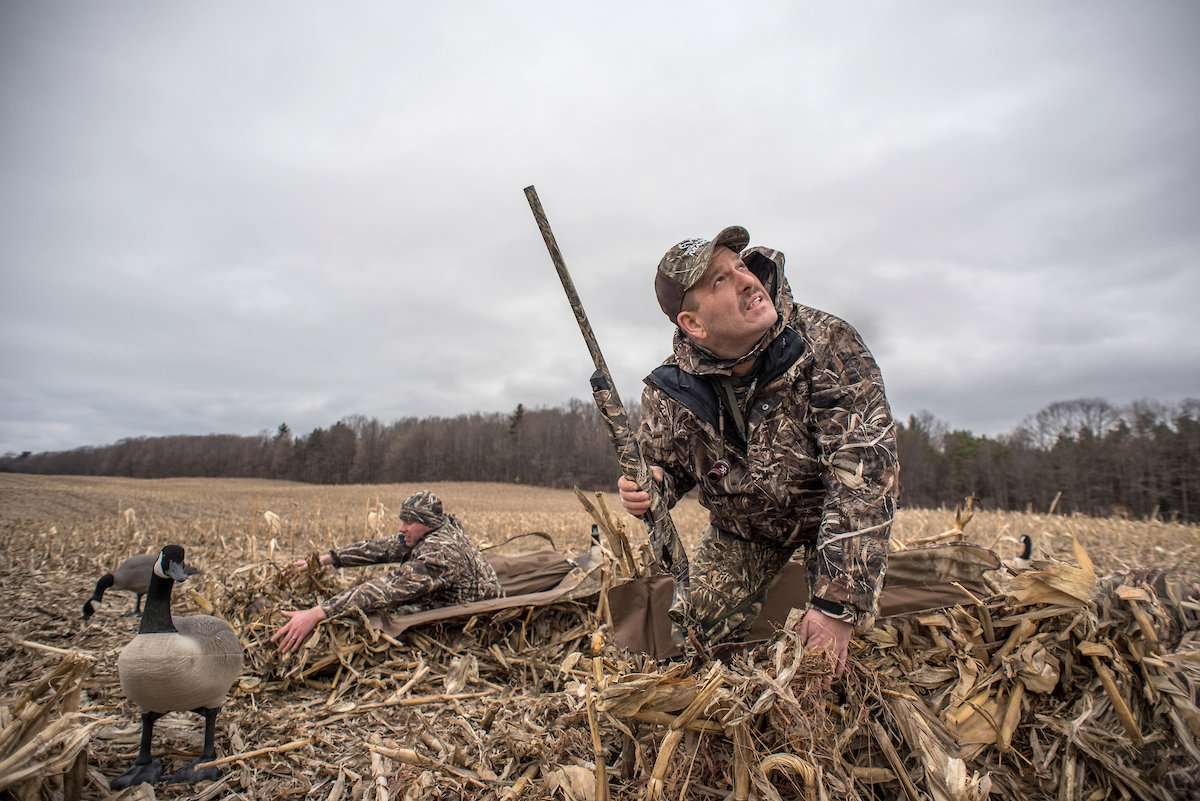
<point x="558" y="447"/>
<point x="1142" y="460"/>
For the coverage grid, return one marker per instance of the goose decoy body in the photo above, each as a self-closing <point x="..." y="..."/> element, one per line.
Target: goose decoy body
<point x="184" y="664"/>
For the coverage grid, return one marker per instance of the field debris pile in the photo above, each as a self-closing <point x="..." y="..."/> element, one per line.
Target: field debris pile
<point x="43" y="734"/>
<point x="1064" y="686"/>
<point x="1063" y="683"/>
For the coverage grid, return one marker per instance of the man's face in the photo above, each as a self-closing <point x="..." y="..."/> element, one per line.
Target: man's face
<point x="413" y="532"/>
<point x="728" y="309"/>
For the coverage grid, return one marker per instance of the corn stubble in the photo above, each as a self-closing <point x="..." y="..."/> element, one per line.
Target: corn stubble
<point x="1076" y="679"/>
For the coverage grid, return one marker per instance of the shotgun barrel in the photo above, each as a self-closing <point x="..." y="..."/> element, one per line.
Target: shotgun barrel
<point x="664" y="539"/>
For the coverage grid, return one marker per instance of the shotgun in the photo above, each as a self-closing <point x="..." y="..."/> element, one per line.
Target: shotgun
<point x="664" y="539"/>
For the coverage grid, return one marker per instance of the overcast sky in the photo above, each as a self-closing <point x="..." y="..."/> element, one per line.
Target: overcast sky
<point x="216" y="217"/>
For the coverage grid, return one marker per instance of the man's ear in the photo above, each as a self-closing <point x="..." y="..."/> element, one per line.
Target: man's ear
<point x="691" y="325"/>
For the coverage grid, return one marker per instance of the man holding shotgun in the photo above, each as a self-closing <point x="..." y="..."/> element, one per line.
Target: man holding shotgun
<point x="777" y="412"/>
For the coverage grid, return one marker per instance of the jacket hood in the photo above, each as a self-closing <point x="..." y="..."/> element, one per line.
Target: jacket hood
<point x="767" y="264"/>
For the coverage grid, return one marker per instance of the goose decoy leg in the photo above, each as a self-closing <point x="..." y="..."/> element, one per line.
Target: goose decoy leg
<point x="137" y="607"/>
<point x="189" y="774"/>
<point x="145" y="770"/>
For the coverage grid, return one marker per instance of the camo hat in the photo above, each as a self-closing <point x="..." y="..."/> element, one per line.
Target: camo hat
<point x="423" y="507"/>
<point x="685" y="263"/>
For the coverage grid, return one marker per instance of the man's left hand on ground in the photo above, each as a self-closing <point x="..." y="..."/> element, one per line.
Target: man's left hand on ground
<point x="292" y="634"/>
<point x="300" y="565"/>
<point x="818" y="630"/>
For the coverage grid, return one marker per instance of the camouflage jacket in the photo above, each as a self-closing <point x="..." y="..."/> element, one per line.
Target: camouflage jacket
<point x="817" y="467"/>
<point x="443" y="569"/>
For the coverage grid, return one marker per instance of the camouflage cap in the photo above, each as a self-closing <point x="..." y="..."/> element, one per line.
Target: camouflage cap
<point x="423" y="507"/>
<point x="684" y="264"/>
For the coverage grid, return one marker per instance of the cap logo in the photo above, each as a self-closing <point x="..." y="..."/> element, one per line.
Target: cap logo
<point x="691" y="247"/>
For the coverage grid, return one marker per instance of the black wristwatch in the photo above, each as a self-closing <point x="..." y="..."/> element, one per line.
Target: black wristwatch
<point x="831" y="608"/>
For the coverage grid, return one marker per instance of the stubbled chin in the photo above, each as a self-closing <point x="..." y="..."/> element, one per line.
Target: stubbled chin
<point x="766" y="315"/>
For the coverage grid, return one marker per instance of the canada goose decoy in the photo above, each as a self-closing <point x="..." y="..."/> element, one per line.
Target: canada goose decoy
<point x="1022" y="562"/>
<point x="132" y="575"/>
<point x="184" y="664"/>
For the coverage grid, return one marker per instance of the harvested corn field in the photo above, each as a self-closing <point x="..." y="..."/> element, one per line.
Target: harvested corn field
<point x="1074" y="679"/>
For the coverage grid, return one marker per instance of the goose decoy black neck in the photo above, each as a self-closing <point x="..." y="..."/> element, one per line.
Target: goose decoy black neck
<point x="156" y="617"/>
<point x="103" y="584"/>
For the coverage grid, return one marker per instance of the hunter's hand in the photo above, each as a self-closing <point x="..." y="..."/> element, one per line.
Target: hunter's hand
<point x="293" y="633"/>
<point x="300" y="565"/>
<point x="636" y="500"/>
<point x="820" y="631"/>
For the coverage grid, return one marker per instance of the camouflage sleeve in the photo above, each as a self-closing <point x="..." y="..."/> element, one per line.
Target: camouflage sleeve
<point x="658" y="438"/>
<point x="413" y="580"/>
<point x="856" y="437"/>
<point x="371" y="552"/>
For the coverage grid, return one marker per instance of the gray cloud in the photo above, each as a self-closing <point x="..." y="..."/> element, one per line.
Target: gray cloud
<point x="216" y="217"/>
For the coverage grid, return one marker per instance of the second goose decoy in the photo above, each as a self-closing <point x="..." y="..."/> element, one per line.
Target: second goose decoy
<point x="1022" y="562"/>
<point x="132" y="575"/>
